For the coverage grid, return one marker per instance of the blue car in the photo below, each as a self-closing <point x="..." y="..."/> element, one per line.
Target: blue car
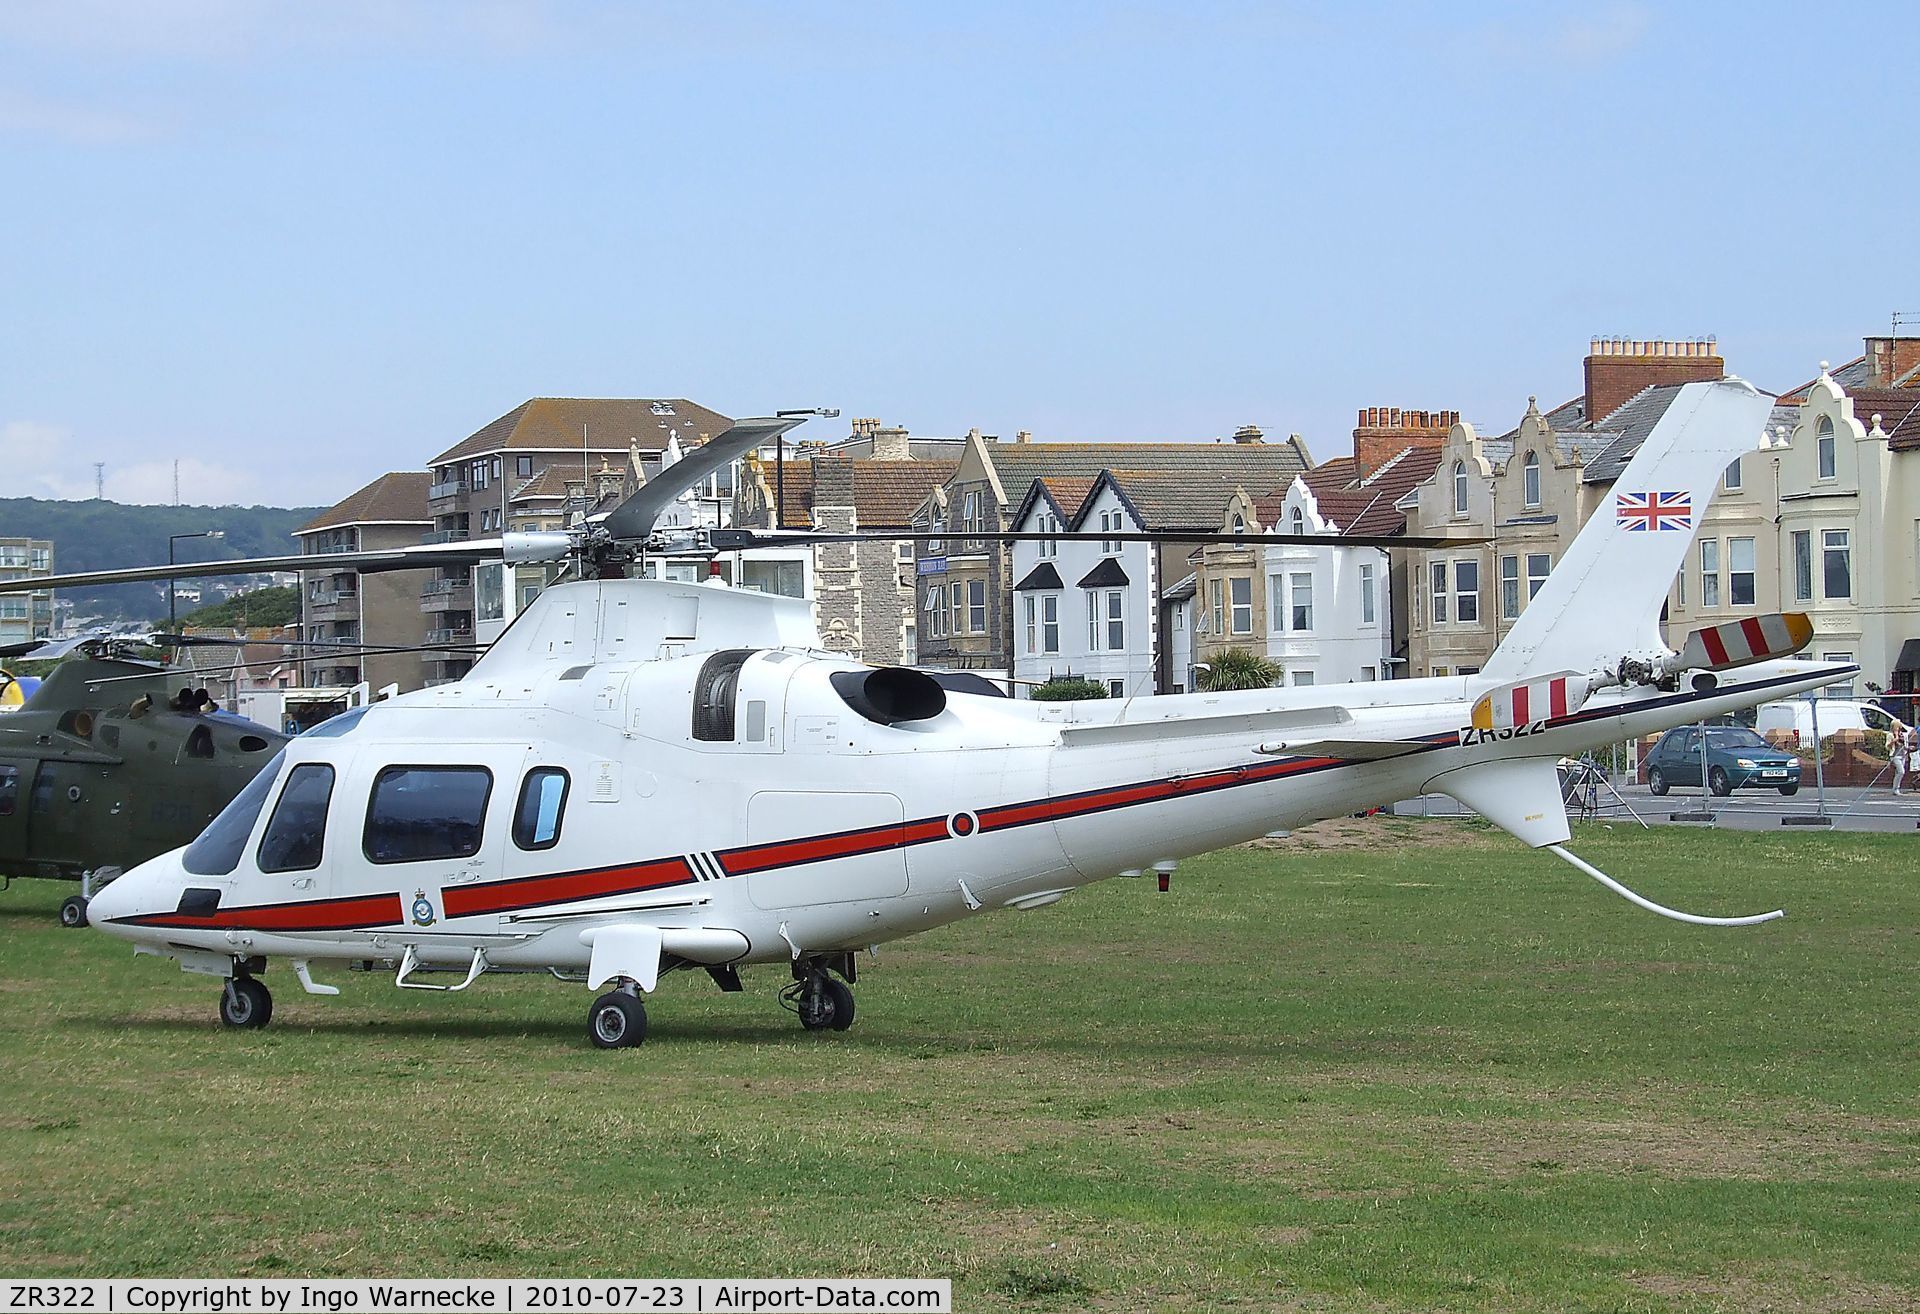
<point x="1737" y="758"/>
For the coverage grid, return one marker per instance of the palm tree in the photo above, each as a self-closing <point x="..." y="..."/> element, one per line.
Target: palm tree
<point x="1239" y="668"/>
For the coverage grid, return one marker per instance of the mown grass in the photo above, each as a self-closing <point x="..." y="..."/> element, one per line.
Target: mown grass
<point x="1407" y="1067"/>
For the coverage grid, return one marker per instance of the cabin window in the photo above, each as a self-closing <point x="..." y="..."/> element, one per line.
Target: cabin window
<point x="200" y="742"/>
<point x="217" y="851"/>
<point x="543" y="800"/>
<point x="9" y="790"/>
<point x="419" y="813"/>
<point x="296" y="833"/>
<point x="714" y="695"/>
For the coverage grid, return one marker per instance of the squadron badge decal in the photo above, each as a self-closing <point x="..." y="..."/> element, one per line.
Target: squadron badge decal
<point x="422" y="909"/>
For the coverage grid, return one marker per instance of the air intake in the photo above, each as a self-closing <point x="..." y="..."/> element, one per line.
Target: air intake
<point x="891" y="695"/>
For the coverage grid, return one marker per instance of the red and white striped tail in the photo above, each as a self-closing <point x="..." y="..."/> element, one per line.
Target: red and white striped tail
<point x="1543" y="699"/>
<point x="1736" y="643"/>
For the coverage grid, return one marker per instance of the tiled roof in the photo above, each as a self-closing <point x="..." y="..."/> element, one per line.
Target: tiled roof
<point x="400" y="496"/>
<point x="1330" y="476"/>
<point x="884" y="494"/>
<point x="611" y="424"/>
<point x="1246" y="465"/>
<point x="549" y="483"/>
<point x="1040" y="578"/>
<point x="1184" y="587"/>
<point x="1899" y="412"/>
<point x="1366" y="507"/>
<point x="1170" y="499"/>
<point x="1856" y="373"/>
<point x="1106" y="575"/>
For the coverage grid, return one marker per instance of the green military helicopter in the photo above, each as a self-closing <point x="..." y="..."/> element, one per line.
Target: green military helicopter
<point x="112" y="760"/>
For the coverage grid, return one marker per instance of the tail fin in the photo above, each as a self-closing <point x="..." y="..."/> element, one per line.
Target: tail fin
<point x="1602" y="599"/>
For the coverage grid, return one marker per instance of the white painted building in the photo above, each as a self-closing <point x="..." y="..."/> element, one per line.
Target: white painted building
<point x="1329" y="610"/>
<point x="1088" y="608"/>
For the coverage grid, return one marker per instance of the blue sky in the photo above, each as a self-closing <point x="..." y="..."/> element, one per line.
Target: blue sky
<point x="295" y="246"/>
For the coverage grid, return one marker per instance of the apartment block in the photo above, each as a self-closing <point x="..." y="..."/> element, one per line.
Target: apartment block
<point x="25" y="616"/>
<point x="343" y="606"/>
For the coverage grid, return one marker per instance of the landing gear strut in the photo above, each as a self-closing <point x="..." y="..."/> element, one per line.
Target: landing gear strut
<point x="822" y="1003"/>
<point x="246" y="1003"/>
<point x="617" y="1020"/>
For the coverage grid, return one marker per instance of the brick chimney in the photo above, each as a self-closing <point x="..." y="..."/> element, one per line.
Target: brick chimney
<point x="866" y="426"/>
<point x="891" y="445"/>
<point x="1618" y="368"/>
<point x="1248" y="434"/>
<point x="1024" y="436"/>
<point x="1383" y="432"/>
<point x="1891" y="359"/>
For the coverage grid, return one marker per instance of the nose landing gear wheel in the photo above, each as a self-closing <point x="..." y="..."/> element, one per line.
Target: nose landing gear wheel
<point x="617" y="1021"/>
<point x="245" y="1003"/>
<point x="826" y="1005"/>
<point x="73" y="912"/>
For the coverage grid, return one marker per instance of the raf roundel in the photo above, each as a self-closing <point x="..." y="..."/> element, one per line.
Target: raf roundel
<point x="963" y="825"/>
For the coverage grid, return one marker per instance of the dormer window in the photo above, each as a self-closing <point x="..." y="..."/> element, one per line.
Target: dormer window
<point x="1530" y="479"/>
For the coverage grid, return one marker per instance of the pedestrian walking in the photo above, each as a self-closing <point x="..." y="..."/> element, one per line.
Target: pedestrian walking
<point x="1904" y="739"/>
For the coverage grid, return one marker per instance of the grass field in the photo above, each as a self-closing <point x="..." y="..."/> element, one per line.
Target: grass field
<point x="1381" y="1066"/>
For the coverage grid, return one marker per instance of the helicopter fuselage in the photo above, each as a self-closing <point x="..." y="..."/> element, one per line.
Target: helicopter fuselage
<point x="741" y="803"/>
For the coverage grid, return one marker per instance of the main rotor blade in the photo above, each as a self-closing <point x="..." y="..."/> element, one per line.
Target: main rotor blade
<point x="729" y="540"/>
<point x="635" y="517"/>
<point x="426" y="556"/>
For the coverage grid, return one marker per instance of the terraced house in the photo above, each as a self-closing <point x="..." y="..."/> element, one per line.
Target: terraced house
<point x="967" y="599"/>
<point x="346" y="607"/>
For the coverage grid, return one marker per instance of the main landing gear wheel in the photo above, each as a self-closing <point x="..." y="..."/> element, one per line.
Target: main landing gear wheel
<point x="73" y="912"/>
<point x="245" y="1003"/>
<point x="1657" y="781"/>
<point x="825" y="1005"/>
<point x="617" y="1021"/>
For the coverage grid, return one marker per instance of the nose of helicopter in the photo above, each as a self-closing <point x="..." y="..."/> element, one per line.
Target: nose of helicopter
<point x="143" y="890"/>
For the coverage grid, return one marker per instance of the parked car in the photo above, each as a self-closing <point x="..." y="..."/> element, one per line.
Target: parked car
<point x="1836" y="714"/>
<point x="1737" y="758"/>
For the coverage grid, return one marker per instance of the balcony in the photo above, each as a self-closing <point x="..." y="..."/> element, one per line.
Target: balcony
<point x="447" y="595"/>
<point x="458" y="634"/>
<point x="330" y="604"/>
<point x="445" y="536"/>
<point x="452" y="488"/>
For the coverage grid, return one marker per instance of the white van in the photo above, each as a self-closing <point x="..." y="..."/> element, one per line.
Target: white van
<point x="1835" y="714"/>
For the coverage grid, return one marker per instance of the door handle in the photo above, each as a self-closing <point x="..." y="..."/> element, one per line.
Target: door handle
<point x="304" y="883"/>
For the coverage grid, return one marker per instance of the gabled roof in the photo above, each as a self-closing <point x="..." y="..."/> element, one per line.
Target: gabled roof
<point x="610" y="424"/>
<point x="883" y="494"/>
<point x="1165" y="499"/>
<point x="399" y="497"/>
<point x="1065" y="496"/>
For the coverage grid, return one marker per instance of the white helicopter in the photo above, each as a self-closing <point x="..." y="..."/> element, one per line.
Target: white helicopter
<point x="643" y="776"/>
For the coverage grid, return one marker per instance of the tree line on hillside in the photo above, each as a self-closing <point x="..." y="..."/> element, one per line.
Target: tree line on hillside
<point x="101" y="535"/>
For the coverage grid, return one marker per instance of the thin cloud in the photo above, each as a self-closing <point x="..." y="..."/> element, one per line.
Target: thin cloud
<point x="41" y="460"/>
<point x="1585" y="36"/>
<point x="24" y="114"/>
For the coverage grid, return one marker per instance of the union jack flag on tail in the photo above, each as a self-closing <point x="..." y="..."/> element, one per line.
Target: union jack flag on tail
<point x="1656" y="512"/>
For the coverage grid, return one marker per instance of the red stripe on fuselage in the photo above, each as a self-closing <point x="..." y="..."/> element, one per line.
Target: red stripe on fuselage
<point x="566" y="887"/>
<point x="319" y="915"/>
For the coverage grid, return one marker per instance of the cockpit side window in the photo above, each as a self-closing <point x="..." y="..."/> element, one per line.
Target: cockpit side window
<point x="9" y="790"/>
<point x="714" y="694"/>
<point x="217" y="851"/>
<point x="423" y="812"/>
<point x="296" y="833"/>
<point x="543" y="802"/>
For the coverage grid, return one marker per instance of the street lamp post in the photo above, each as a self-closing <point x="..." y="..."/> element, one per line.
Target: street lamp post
<point x="172" y="540"/>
